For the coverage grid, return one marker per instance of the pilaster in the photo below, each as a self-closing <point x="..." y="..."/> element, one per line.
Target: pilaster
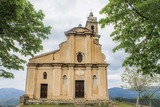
<point x="102" y="82"/>
<point x="71" y="84"/>
<point x="88" y="48"/>
<point x="88" y="82"/>
<point x="57" y="80"/>
<point x="107" y="83"/>
<point x="30" y="82"/>
<point x="71" y="48"/>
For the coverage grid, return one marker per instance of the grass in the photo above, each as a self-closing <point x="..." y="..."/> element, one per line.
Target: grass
<point x="47" y="105"/>
<point x="52" y="106"/>
<point x="125" y="104"/>
<point x="120" y="104"/>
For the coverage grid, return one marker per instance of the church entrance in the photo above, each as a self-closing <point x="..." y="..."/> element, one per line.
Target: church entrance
<point x="44" y="88"/>
<point x="79" y="89"/>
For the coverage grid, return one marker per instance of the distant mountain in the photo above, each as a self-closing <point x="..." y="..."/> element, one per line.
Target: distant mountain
<point x="10" y="96"/>
<point x="132" y="94"/>
<point x="119" y="92"/>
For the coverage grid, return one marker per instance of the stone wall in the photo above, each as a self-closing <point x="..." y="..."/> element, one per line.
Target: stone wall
<point x="82" y="102"/>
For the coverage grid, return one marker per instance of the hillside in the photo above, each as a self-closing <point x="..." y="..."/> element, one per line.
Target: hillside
<point x="132" y="94"/>
<point x="10" y="96"/>
<point x="119" y="92"/>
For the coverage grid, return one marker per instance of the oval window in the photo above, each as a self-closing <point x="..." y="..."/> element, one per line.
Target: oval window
<point x="79" y="57"/>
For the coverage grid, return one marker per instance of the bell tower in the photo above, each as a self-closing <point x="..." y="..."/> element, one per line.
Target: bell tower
<point x="92" y="24"/>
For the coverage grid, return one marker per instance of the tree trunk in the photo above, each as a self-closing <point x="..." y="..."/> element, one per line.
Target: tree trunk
<point x="150" y="103"/>
<point x="137" y="103"/>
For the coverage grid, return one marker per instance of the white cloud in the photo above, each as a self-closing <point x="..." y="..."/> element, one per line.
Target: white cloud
<point x="114" y="78"/>
<point x="63" y="15"/>
<point x="18" y="82"/>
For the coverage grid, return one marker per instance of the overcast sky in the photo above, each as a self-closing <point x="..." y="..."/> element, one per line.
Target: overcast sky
<point x="63" y="15"/>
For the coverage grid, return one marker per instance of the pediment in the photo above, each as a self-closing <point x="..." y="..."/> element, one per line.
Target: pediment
<point x="77" y="30"/>
<point x="46" y="57"/>
<point x="81" y="30"/>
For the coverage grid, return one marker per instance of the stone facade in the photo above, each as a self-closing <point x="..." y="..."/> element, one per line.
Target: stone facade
<point x="76" y="70"/>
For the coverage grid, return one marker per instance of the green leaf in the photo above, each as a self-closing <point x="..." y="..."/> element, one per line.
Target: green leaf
<point x="21" y="32"/>
<point x="137" y="31"/>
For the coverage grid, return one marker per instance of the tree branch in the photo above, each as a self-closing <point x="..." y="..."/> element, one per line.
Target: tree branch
<point x="136" y="11"/>
<point x="155" y="92"/>
<point x="150" y="95"/>
<point x="5" y="74"/>
<point x="1" y="31"/>
<point x="151" y="31"/>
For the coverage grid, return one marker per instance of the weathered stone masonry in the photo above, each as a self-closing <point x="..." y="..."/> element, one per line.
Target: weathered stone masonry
<point x="76" y="70"/>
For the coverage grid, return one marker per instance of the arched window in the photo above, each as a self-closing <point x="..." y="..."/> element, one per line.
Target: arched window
<point x="64" y="80"/>
<point x="92" y="29"/>
<point x="94" y="80"/>
<point x="64" y="76"/>
<point x="79" y="57"/>
<point x="44" y="75"/>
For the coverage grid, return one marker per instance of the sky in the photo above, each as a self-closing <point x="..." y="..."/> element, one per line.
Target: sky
<point x="62" y="15"/>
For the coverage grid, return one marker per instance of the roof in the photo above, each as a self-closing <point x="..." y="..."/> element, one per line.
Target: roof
<point x="44" y="54"/>
<point x="77" y="30"/>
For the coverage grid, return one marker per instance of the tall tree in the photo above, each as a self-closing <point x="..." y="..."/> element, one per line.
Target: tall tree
<point x="137" y="29"/>
<point x="136" y="80"/>
<point x="150" y="92"/>
<point x="21" y="32"/>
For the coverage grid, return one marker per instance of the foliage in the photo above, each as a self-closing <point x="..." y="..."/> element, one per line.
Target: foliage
<point x="21" y="32"/>
<point x="136" y="80"/>
<point x="137" y="29"/>
<point x="5" y="74"/>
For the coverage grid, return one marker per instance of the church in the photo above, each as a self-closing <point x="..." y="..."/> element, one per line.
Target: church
<point x="76" y="70"/>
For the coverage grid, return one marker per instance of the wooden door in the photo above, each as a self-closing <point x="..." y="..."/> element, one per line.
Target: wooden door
<point x="79" y="89"/>
<point x="44" y="88"/>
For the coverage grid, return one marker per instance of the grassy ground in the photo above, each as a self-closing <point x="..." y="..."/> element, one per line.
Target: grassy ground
<point x="120" y="104"/>
<point x="124" y="104"/>
<point x="47" y="106"/>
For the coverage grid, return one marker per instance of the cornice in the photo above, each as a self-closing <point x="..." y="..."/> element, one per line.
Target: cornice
<point x="68" y="64"/>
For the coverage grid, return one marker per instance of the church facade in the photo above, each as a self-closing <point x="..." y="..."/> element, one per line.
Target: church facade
<point x="76" y="70"/>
